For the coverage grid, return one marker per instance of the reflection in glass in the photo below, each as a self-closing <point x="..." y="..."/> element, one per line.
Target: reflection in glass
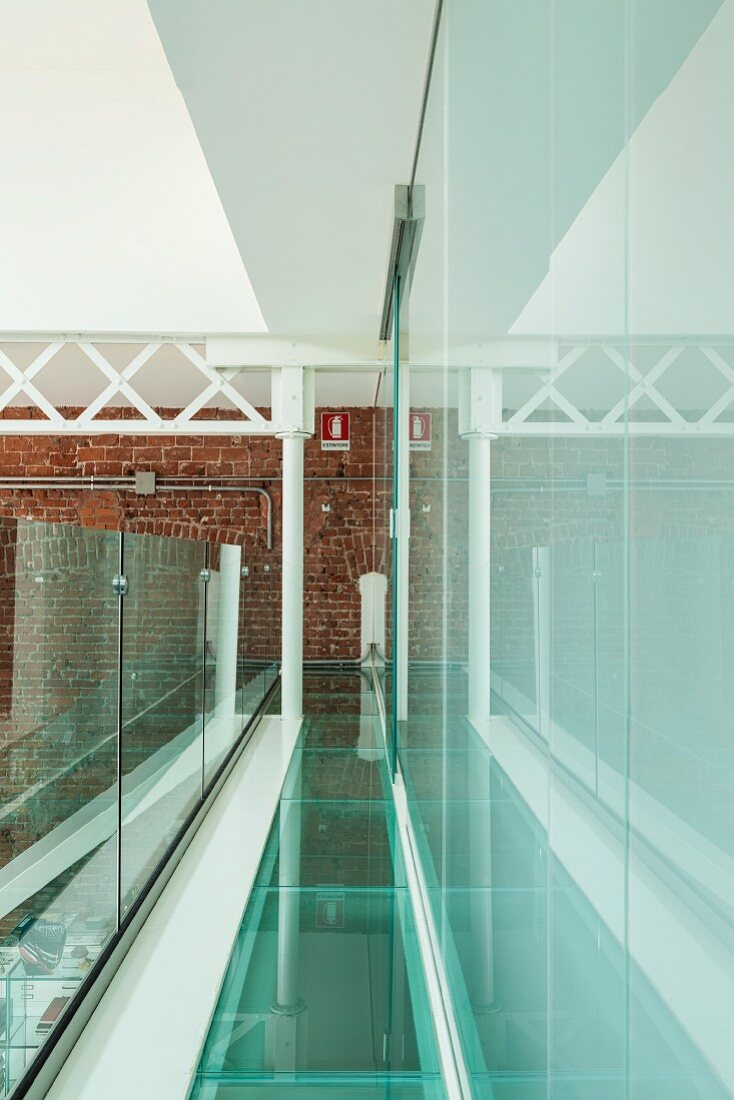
<point x="162" y="678"/>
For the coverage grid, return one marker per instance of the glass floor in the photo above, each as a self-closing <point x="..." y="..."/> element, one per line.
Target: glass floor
<point x="324" y="993"/>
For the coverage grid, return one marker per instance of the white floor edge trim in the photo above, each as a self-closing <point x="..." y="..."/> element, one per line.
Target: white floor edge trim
<point x="146" y="1035"/>
<point x="453" y="1068"/>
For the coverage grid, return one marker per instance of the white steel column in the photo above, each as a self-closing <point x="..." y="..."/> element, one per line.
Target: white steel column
<point x="480" y="409"/>
<point x="479" y="575"/>
<point x="293" y="399"/>
<point x="292" y="578"/>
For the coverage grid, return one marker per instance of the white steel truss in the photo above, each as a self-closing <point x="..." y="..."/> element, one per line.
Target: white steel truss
<point x="640" y="406"/>
<point x="654" y="388"/>
<point x="121" y="383"/>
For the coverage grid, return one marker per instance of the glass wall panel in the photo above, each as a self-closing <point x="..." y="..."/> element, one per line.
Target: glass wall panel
<point x="679" y="359"/>
<point x="162" y="699"/>
<point x="576" y="826"/>
<point x="383" y="471"/>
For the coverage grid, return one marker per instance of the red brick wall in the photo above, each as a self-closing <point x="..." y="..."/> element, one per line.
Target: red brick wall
<point x="58" y="644"/>
<point x="339" y="542"/>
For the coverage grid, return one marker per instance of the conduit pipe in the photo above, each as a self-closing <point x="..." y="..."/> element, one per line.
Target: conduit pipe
<point x="127" y="484"/>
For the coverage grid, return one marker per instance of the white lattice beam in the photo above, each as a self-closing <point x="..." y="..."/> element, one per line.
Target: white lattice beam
<point x="22" y="383"/>
<point x="218" y="383"/>
<point x="643" y="385"/>
<point x="625" y="414"/>
<point x="553" y="407"/>
<point x="548" y="390"/>
<point x="122" y="383"/>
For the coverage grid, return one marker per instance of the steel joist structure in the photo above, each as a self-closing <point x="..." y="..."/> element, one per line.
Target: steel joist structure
<point x="545" y="384"/>
<point x="120" y="383"/>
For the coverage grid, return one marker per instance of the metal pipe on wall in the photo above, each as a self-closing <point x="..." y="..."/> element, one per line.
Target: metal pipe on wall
<point x="127" y="484"/>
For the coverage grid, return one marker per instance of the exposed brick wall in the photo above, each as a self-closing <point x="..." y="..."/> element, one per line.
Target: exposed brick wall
<point x="339" y="542"/>
<point x="58" y="617"/>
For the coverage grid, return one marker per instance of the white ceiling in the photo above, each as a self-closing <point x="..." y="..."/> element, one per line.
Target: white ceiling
<point x="109" y="219"/>
<point x="307" y="114"/>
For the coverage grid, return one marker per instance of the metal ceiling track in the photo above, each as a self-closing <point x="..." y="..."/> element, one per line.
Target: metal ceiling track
<point x="406" y="234"/>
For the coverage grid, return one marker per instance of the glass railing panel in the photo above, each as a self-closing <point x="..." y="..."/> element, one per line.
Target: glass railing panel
<point x="259" y="629"/>
<point x="252" y="662"/>
<point x="58" y="772"/>
<point x="612" y="686"/>
<point x="225" y="697"/>
<point x="100" y="634"/>
<point x="162" y="681"/>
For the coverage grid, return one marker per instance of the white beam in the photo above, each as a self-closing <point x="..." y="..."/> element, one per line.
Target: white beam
<point x="264" y="350"/>
<point x="136" y="427"/>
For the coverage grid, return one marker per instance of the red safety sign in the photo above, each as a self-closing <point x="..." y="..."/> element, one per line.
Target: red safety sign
<point x="335" y="431"/>
<point x="420" y="431"/>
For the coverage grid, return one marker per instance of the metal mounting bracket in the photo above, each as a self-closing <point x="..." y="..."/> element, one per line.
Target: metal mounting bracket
<point x="406" y="234"/>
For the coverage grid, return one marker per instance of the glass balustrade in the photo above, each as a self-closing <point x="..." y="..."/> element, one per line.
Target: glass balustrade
<point x="130" y="666"/>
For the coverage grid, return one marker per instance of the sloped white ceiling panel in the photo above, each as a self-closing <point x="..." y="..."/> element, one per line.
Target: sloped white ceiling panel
<point x="109" y="219"/>
<point x="307" y="114"/>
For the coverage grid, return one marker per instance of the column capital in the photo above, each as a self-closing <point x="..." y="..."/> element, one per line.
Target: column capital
<point x="294" y="433"/>
<point x="293" y="404"/>
<point x="478" y="433"/>
<point x="480" y="402"/>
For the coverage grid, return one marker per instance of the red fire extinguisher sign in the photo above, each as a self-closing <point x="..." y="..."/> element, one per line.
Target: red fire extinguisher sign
<point x="335" y="431"/>
<point x="420" y="431"/>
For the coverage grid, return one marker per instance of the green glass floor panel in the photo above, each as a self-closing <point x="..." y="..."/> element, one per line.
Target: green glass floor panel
<point x="348" y="843"/>
<point x="336" y="774"/>
<point x="324" y="994"/>
<point x="358" y="732"/>
<point x="323" y="980"/>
